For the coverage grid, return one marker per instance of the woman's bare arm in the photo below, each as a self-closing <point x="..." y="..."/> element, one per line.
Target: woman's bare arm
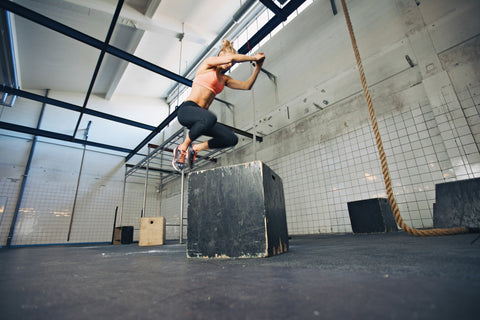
<point x="211" y="62"/>
<point x="245" y="85"/>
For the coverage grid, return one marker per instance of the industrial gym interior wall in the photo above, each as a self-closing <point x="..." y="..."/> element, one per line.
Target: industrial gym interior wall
<point x="48" y="201"/>
<point x="316" y="129"/>
<point x="422" y="65"/>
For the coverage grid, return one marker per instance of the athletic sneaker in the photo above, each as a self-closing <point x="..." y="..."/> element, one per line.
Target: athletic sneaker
<point x="191" y="156"/>
<point x="178" y="161"/>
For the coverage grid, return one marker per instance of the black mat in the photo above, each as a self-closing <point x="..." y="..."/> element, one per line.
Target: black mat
<point x="377" y="276"/>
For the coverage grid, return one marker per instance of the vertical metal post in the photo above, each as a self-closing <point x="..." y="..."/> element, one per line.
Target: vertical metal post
<point x="334" y="7"/>
<point x="123" y="195"/>
<point x="78" y="182"/>
<point x="254" y="128"/>
<point x="182" y="195"/>
<point x="24" y="178"/>
<point x="146" y="184"/>
<point x="160" y="186"/>
<point x="252" y="65"/>
<point x="114" y="223"/>
<point x="181" y="207"/>
<point x="234" y="124"/>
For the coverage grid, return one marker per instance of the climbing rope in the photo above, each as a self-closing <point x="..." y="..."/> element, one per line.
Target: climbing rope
<point x="381" y="152"/>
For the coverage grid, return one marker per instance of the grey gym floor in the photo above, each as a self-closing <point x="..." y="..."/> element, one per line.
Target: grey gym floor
<point x="381" y="276"/>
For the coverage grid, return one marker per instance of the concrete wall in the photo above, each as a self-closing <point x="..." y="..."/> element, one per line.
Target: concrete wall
<point x="315" y="123"/>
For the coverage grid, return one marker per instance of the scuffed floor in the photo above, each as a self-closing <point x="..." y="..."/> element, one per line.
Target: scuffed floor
<point x="381" y="276"/>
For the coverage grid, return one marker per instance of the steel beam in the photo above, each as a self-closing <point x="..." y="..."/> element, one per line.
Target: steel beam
<point x="99" y="63"/>
<point x="153" y="169"/>
<point x="58" y="136"/>
<point x="26" y="173"/>
<point x="152" y="134"/>
<point x="244" y="133"/>
<point x="84" y="38"/>
<point x="69" y="106"/>
<point x="272" y="6"/>
<point x="271" y="25"/>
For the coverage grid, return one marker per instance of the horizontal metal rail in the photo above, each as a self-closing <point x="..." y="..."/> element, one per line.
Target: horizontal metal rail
<point x="73" y="107"/>
<point x="58" y="136"/>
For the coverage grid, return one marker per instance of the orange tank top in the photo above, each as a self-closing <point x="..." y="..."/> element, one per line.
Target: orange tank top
<point x="210" y="81"/>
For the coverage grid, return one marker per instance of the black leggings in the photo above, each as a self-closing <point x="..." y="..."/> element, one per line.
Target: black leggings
<point x="200" y="121"/>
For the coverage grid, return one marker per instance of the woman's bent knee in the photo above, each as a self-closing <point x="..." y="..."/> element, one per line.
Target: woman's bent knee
<point x="232" y="141"/>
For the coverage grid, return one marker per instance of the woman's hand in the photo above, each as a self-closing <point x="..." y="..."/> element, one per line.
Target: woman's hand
<point x="259" y="58"/>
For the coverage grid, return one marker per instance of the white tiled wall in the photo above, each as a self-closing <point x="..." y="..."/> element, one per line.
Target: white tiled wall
<point x="321" y="180"/>
<point x="318" y="181"/>
<point x="470" y="102"/>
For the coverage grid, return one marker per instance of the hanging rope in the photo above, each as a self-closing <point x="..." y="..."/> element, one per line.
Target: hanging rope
<point x="381" y="152"/>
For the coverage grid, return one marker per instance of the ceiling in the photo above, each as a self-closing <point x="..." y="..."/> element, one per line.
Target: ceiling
<point x="149" y="29"/>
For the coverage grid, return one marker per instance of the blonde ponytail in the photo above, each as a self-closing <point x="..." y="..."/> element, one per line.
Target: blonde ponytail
<point x="227" y="47"/>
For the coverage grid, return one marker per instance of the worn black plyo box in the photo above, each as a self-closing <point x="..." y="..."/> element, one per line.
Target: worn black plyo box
<point x="371" y="216"/>
<point x="123" y="235"/>
<point x="457" y="204"/>
<point x="236" y="212"/>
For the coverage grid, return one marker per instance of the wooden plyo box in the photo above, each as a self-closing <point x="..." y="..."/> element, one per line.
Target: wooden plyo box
<point x="236" y="212"/>
<point x="152" y="231"/>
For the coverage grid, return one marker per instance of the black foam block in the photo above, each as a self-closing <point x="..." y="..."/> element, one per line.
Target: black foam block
<point x="236" y="212"/>
<point x="457" y="204"/>
<point x="123" y="235"/>
<point x="371" y="216"/>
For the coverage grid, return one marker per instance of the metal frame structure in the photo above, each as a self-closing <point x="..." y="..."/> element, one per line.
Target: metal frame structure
<point x="157" y="165"/>
<point x="157" y="160"/>
<point x="281" y="15"/>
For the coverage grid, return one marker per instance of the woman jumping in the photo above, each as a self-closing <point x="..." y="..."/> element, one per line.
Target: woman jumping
<point x="193" y="112"/>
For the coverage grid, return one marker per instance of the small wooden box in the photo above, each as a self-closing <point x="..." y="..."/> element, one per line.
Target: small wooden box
<point x="152" y="231"/>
